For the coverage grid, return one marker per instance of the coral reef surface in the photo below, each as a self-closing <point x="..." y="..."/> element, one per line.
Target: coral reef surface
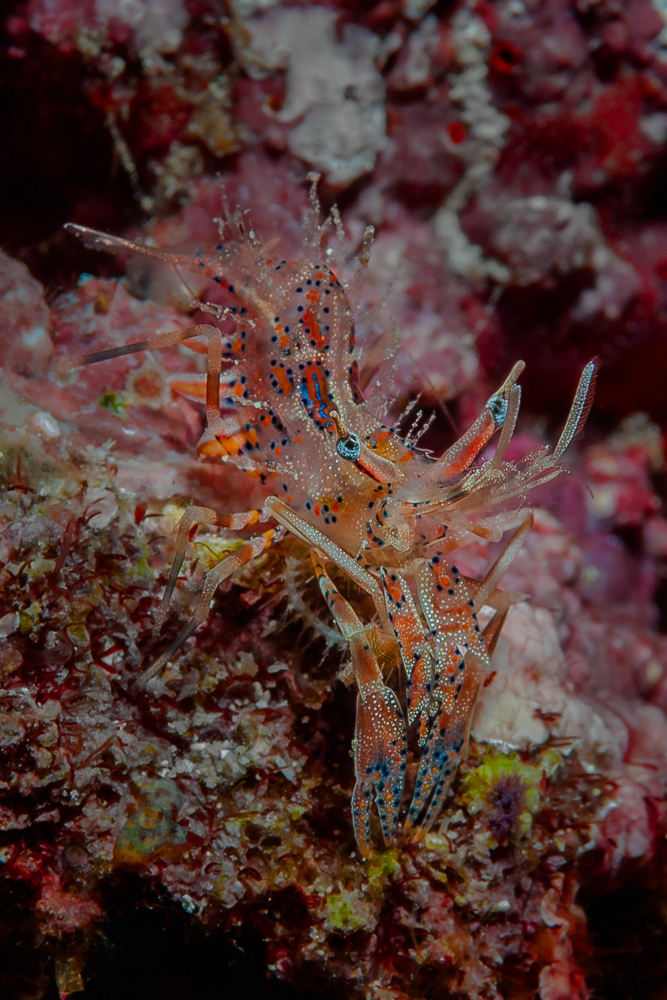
<point x="511" y="159"/>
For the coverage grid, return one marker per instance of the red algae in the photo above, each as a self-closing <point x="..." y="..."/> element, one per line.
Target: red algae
<point x="510" y="157"/>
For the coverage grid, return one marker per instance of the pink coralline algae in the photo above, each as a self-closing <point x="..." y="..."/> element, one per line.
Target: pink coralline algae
<point x="511" y="158"/>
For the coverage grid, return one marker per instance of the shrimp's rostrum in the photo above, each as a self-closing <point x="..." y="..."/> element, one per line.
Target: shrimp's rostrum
<point x="283" y="404"/>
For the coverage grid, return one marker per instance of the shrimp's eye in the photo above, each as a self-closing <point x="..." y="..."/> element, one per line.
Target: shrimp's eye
<point x="498" y="406"/>
<point x="349" y="447"/>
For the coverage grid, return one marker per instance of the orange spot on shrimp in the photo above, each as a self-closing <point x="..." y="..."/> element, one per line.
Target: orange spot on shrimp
<point x="281" y="381"/>
<point x="313" y="331"/>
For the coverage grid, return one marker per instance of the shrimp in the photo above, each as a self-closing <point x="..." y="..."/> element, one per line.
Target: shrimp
<point x="283" y="403"/>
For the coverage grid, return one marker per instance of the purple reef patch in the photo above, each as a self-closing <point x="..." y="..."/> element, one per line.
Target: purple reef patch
<point x="510" y="157"/>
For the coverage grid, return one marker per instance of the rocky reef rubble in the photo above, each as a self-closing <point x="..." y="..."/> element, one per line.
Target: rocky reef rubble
<point x="510" y="157"/>
<point x="225" y="782"/>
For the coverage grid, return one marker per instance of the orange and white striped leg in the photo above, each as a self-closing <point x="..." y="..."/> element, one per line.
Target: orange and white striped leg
<point x="318" y="540"/>
<point x="169" y="339"/>
<point x="201" y="515"/>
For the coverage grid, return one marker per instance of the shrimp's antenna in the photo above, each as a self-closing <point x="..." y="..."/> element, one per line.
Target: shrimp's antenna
<point x="96" y="240"/>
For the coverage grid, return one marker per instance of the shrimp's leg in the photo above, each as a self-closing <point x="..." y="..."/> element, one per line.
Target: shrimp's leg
<point x="501" y="601"/>
<point x="380" y="747"/>
<point x="224" y="569"/>
<point x="451" y="617"/>
<point x="451" y="602"/>
<point x="451" y="539"/>
<point x="160" y="341"/>
<point x="413" y="645"/>
<point x="487" y="591"/>
<point x="169" y="339"/>
<point x="198" y="515"/>
<point x="502" y="563"/>
<point x="316" y="539"/>
<point x="204" y="261"/>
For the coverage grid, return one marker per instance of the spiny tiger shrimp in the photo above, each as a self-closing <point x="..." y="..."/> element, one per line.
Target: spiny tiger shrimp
<point x="282" y="401"/>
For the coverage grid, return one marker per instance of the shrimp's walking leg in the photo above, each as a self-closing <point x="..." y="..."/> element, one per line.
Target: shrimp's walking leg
<point x="224" y="569"/>
<point x="198" y="515"/>
<point x="169" y="339"/>
<point x="316" y="539"/>
<point x="380" y="748"/>
<point x="500" y="600"/>
<point x="160" y="341"/>
<point x="502" y="563"/>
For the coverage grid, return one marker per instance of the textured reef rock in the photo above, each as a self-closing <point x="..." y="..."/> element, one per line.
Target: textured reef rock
<point x="511" y="159"/>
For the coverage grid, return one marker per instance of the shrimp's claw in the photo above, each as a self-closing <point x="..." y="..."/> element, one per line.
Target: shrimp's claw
<point x="446" y="745"/>
<point x="412" y="643"/>
<point x="380" y="745"/>
<point x="379" y="760"/>
<point x="450" y="613"/>
<point x="463" y="452"/>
